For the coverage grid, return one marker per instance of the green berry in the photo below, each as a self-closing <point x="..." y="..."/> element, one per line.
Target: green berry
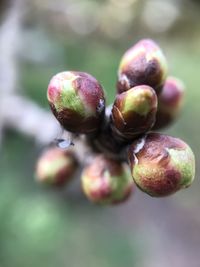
<point x="107" y="181"/>
<point x="55" y="166"/>
<point x="170" y="102"/>
<point x="144" y="63"/>
<point x="77" y="101"/>
<point x="134" y="111"/>
<point x="161" y="164"/>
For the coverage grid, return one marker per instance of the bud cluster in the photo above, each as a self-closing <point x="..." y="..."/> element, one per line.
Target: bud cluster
<point x="121" y="134"/>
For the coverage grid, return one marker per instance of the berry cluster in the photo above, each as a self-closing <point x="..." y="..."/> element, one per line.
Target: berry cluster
<point x="146" y="99"/>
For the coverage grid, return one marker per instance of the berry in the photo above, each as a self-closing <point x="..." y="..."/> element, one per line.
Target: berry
<point x="161" y="164"/>
<point x="170" y="102"/>
<point x="77" y="101"/>
<point x="107" y="181"/>
<point x="55" y="166"/>
<point x="134" y="111"/>
<point x="144" y="63"/>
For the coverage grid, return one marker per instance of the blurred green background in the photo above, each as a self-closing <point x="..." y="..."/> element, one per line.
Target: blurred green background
<point x="43" y="227"/>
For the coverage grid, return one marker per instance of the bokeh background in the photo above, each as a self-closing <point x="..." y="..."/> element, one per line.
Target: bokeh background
<point x="48" y="228"/>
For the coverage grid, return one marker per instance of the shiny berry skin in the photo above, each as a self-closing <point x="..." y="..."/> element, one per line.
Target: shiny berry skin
<point x="161" y="164"/>
<point x="107" y="181"/>
<point x="134" y="112"/>
<point x="77" y="101"/>
<point x="144" y="63"/>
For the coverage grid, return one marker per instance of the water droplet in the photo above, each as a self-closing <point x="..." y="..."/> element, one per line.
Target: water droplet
<point x="64" y="143"/>
<point x="100" y="106"/>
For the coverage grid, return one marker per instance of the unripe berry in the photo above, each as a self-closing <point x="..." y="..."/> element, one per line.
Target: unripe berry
<point x="107" y="181"/>
<point x="144" y="63"/>
<point x="170" y="102"/>
<point x="55" y="166"/>
<point x="134" y="111"/>
<point x="77" y="101"/>
<point x="161" y="164"/>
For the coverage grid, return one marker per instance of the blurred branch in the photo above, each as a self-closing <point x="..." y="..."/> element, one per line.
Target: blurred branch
<point x="28" y="118"/>
<point x="16" y="111"/>
<point x="9" y="40"/>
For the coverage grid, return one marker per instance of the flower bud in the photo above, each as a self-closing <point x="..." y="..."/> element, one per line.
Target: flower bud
<point x="170" y="102"/>
<point x="144" y="63"/>
<point x="161" y="164"/>
<point x="55" y="166"/>
<point x="134" y="111"/>
<point x="77" y="101"/>
<point x="107" y="181"/>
